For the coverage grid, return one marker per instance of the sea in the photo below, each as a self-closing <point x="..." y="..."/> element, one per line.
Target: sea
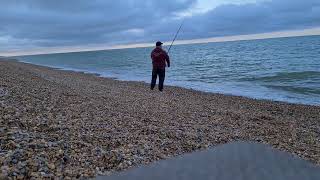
<point x="280" y="69"/>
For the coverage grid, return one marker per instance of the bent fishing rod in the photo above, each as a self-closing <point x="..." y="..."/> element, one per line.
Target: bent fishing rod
<point x="176" y="35"/>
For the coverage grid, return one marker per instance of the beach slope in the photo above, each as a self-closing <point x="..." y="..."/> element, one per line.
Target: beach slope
<point x="71" y="124"/>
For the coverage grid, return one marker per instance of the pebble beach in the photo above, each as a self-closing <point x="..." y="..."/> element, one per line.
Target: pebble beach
<point x="65" y="125"/>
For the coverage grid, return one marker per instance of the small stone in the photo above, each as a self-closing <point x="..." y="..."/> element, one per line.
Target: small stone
<point x="19" y="177"/>
<point x="34" y="174"/>
<point x="12" y="144"/>
<point x="60" y="151"/>
<point x="65" y="158"/>
<point x="129" y="163"/>
<point x="51" y="166"/>
<point x="14" y="161"/>
<point x="141" y="151"/>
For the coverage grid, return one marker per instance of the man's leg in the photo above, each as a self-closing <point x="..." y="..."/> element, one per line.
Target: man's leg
<point x="162" y="74"/>
<point x="153" y="79"/>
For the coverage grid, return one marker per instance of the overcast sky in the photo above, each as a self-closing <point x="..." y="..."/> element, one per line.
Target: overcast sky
<point x="34" y="24"/>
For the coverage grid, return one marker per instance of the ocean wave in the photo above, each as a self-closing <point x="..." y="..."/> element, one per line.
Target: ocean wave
<point x="287" y="77"/>
<point x="294" y="89"/>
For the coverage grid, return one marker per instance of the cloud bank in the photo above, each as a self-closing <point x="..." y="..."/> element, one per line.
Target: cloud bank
<point x="37" y="23"/>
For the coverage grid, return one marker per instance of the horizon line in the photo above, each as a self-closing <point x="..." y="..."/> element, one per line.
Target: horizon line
<point x="100" y="47"/>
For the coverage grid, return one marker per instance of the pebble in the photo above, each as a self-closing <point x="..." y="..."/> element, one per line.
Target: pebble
<point x="52" y="166"/>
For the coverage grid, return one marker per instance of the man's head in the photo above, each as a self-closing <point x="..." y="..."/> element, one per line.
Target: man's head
<point x="159" y="44"/>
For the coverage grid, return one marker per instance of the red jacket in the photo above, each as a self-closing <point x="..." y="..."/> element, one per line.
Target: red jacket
<point x="159" y="58"/>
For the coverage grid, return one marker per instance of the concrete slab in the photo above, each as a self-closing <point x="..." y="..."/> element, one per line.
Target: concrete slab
<point x="234" y="161"/>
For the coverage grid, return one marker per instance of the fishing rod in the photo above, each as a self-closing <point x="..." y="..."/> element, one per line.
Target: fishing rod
<point x="176" y="35"/>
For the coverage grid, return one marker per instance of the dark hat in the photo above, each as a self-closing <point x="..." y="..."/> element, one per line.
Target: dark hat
<point x="159" y="43"/>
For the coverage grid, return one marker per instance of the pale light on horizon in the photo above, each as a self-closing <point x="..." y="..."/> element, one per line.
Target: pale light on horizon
<point x="279" y="34"/>
<point x="203" y="6"/>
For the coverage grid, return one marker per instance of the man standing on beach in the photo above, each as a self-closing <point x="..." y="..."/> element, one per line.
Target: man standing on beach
<point x="159" y="58"/>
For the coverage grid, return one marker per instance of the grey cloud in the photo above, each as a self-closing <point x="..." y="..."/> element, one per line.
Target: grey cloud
<point x="267" y="16"/>
<point x="39" y="23"/>
<point x="75" y="22"/>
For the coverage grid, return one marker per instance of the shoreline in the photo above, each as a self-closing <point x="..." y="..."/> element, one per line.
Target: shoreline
<point x="173" y="84"/>
<point x="74" y="124"/>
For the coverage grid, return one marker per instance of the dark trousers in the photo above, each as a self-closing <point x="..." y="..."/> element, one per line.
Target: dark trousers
<point x="158" y="72"/>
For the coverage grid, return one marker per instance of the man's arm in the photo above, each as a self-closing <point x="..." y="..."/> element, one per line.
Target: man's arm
<point x="167" y="59"/>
